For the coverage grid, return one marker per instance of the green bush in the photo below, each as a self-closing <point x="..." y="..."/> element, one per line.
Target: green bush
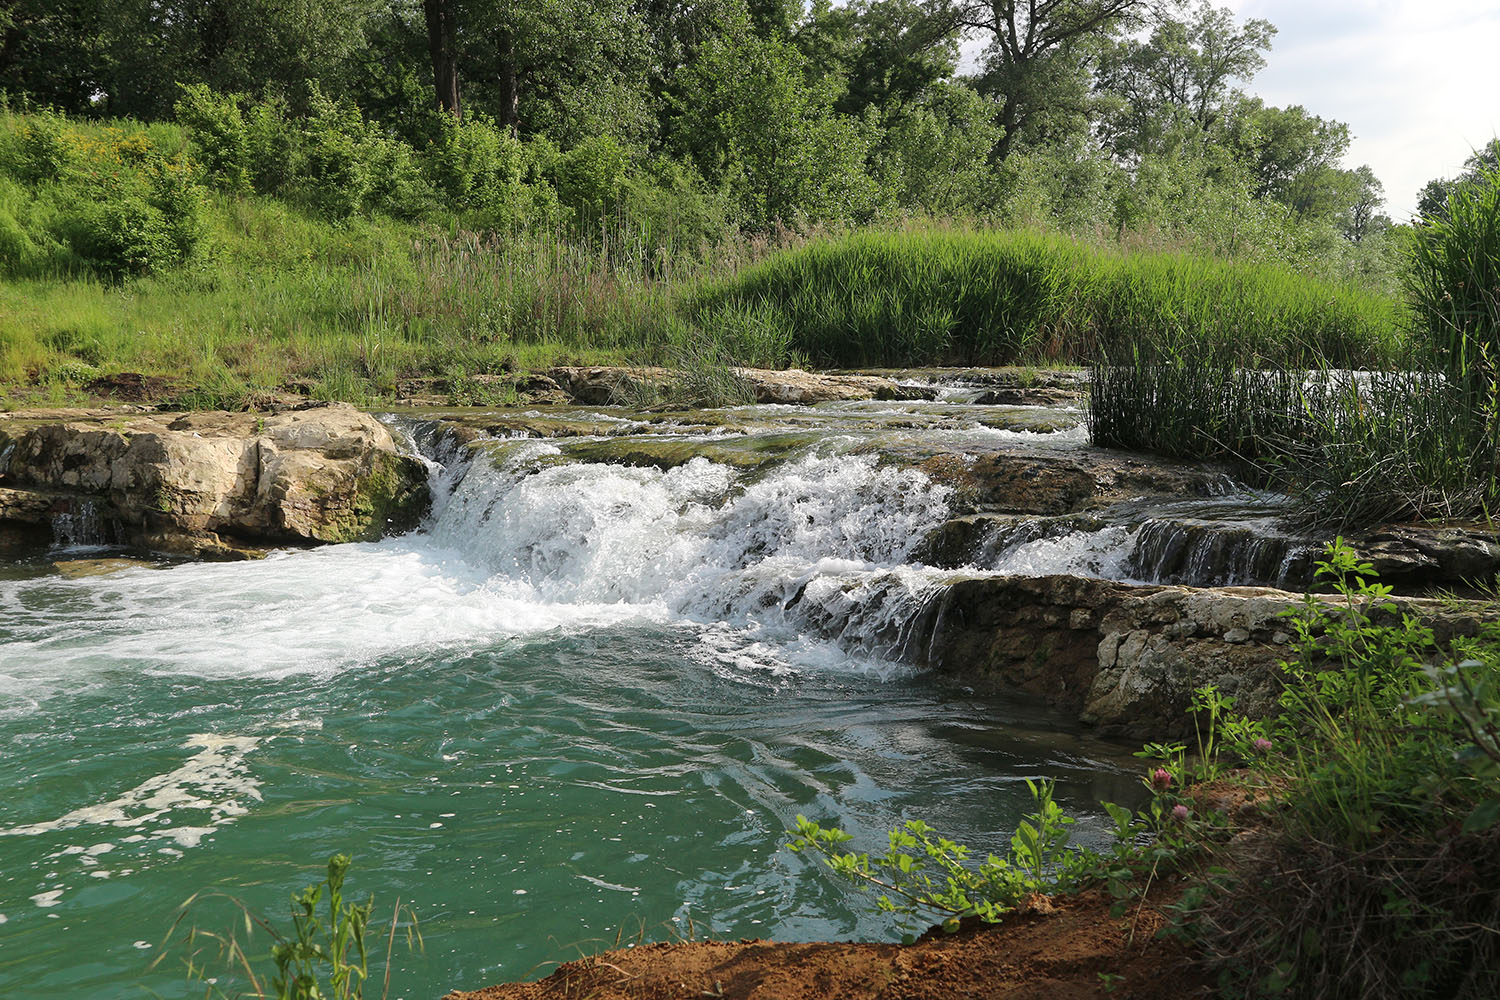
<point x="122" y="237"/>
<point x="1377" y="872"/>
<point x="17" y="252"/>
<point x="337" y="170"/>
<point x="43" y="150"/>
<point x="475" y="164"/>
<point x="590" y="177"/>
<point x="217" y="128"/>
<point x="273" y="147"/>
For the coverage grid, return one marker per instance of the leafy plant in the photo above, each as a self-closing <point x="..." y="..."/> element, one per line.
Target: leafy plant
<point x="324" y="955"/>
<point x="922" y="875"/>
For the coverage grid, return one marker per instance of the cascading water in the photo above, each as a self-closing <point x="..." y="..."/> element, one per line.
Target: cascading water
<point x="585" y="695"/>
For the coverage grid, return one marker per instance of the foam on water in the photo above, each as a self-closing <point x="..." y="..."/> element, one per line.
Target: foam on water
<point x="1104" y="553"/>
<point x="510" y="550"/>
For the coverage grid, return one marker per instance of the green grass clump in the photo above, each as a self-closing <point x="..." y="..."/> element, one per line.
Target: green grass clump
<point x="952" y="296"/>
<point x="1418" y="438"/>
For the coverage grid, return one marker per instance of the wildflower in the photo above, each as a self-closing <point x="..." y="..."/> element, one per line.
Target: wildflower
<point x="1180" y="813"/>
<point x="1161" y="779"/>
<point x="1262" y="745"/>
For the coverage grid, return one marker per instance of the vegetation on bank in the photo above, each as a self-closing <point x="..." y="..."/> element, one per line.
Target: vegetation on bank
<point x="165" y="250"/>
<point x="987" y="298"/>
<point x="1370" y="863"/>
<point x="1419" y="438"/>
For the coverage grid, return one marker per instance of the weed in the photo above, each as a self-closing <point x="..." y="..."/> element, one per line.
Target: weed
<point x="323" y="957"/>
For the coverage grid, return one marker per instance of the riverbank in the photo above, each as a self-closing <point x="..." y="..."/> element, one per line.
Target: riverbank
<point x="1065" y="948"/>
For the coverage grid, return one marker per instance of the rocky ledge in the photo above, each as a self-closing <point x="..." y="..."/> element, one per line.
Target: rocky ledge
<point x="1124" y="657"/>
<point x="208" y="485"/>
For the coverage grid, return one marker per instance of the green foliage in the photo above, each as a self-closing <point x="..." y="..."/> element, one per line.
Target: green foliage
<point x="324" y="955"/>
<point x="217" y="128"/>
<point x="1454" y="284"/>
<point x="41" y="149"/>
<point x="1001" y="298"/>
<point x="590" y="177"/>
<point x="1384" y="761"/>
<point x="338" y="172"/>
<point x="1419" y="441"/>
<point x="748" y="118"/>
<point x="922" y="875"/>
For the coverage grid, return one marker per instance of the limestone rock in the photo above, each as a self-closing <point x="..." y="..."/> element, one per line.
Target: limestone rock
<point x="211" y="484"/>
<point x="1125" y="657"/>
<point x="597" y="386"/>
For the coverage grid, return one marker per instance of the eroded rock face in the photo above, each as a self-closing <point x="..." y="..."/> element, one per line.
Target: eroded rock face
<point x="1125" y="657"/>
<point x="211" y="484"/>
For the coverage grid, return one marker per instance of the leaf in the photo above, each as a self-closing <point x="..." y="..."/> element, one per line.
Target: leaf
<point x="1484" y="816"/>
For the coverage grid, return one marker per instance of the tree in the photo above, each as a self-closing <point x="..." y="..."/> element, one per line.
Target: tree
<point x="1179" y="78"/>
<point x="1286" y="150"/>
<point x="750" y="120"/>
<point x="888" y="52"/>
<point x="441" y="17"/>
<point x="1432" y="200"/>
<point x="1032" y="48"/>
<point x="1362" y="218"/>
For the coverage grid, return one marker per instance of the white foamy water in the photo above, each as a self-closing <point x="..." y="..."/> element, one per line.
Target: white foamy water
<point x="509" y="551"/>
<point x="1104" y="554"/>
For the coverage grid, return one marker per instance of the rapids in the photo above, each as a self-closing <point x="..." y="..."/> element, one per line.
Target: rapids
<point x="585" y="701"/>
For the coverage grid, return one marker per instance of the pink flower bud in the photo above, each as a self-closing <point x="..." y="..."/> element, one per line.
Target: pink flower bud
<point x="1262" y="744"/>
<point x="1161" y="779"/>
<point x="1180" y="813"/>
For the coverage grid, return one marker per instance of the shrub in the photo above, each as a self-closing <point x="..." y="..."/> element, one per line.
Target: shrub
<point x="337" y="175"/>
<point x="44" y="148"/>
<point x="123" y="236"/>
<point x="590" y="177"/>
<point x="273" y="146"/>
<point x="1378" y="873"/>
<point x="476" y="164"/>
<point x="217" y="128"/>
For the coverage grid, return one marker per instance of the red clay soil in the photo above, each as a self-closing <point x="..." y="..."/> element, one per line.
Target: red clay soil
<point x="1056" y="950"/>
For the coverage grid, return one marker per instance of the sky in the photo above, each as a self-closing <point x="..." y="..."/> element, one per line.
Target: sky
<point x="1416" y="81"/>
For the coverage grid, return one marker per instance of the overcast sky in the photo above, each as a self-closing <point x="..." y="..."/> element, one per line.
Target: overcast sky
<point x="1417" y="81"/>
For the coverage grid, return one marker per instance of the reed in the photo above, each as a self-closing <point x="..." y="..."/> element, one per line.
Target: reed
<point x="1417" y="438"/>
<point x="934" y="296"/>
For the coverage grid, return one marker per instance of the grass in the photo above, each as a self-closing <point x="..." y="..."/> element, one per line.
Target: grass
<point x="1417" y="439"/>
<point x="236" y="296"/>
<point x="1029" y="297"/>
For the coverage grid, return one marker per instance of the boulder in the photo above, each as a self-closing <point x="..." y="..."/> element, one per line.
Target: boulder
<point x="210" y="484"/>
<point x="1124" y="657"/>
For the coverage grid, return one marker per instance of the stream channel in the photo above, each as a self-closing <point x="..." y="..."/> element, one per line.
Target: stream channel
<point x="583" y="703"/>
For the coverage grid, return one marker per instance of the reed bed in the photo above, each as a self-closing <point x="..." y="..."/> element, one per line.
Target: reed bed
<point x="978" y="297"/>
<point x="1416" y="438"/>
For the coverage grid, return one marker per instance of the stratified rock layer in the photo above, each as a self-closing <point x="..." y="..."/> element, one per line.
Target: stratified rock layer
<point x="1126" y="657"/>
<point x="208" y="484"/>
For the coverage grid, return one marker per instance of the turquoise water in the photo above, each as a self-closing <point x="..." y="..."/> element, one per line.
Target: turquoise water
<point x="565" y="714"/>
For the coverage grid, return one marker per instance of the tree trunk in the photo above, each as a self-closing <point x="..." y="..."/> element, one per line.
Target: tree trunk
<point x="440" y="44"/>
<point x="510" y="91"/>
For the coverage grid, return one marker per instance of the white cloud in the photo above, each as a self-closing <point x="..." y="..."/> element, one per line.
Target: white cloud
<point x="1415" y="81"/>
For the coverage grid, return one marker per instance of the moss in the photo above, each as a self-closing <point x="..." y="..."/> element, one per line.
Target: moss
<point x="389" y="499"/>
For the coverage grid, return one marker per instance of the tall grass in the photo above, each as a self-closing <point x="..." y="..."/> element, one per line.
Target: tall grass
<point x="972" y="297"/>
<point x="1418" y="439"/>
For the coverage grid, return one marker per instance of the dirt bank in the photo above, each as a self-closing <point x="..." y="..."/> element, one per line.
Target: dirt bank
<point x="1066" y="949"/>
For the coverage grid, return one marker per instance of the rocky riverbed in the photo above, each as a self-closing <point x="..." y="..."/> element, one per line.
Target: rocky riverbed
<point x="1108" y="584"/>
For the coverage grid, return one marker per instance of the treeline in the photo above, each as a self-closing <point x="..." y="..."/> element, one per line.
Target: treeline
<point x="693" y="121"/>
